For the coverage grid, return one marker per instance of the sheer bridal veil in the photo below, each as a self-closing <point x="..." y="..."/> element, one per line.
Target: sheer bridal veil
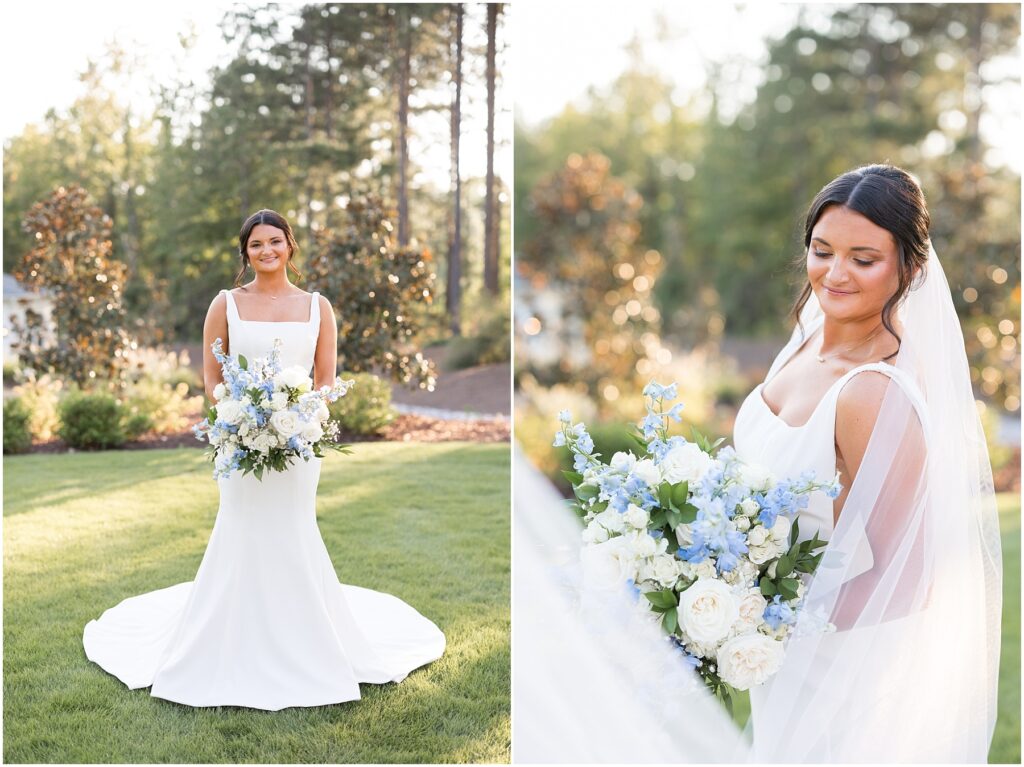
<point x="911" y="578"/>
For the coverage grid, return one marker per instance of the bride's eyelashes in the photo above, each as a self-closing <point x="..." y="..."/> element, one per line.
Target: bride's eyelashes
<point x="858" y="261"/>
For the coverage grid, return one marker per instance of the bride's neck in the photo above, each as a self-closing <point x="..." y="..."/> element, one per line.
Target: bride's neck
<point x="271" y="283"/>
<point x="841" y="334"/>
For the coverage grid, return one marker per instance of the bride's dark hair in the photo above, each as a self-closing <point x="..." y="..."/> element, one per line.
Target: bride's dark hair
<point x="890" y="198"/>
<point x="270" y="218"/>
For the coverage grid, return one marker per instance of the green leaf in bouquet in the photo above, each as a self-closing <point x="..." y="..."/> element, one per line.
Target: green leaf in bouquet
<point x="599" y="506"/>
<point x="673" y="518"/>
<point x="794" y="531"/>
<point x="688" y="514"/>
<point x="670" y="620"/>
<point x="243" y="362"/>
<point x="717" y="442"/>
<point x="768" y="587"/>
<point x="659" y="518"/>
<point x="639" y="441"/>
<point x="784" y="566"/>
<point x="670" y="536"/>
<point x="211" y="414"/>
<point x="573" y="476"/>
<point x="680" y="493"/>
<point x="662" y="600"/>
<point x="665" y="495"/>
<point x="585" y="492"/>
<point x="787" y="588"/>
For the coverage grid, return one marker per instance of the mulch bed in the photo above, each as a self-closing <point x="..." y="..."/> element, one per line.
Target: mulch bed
<point x="405" y="428"/>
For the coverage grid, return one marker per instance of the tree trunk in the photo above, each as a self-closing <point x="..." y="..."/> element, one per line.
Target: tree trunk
<point x="490" y="206"/>
<point x="404" y="73"/>
<point x="454" y="293"/>
<point x="310" y="190"/>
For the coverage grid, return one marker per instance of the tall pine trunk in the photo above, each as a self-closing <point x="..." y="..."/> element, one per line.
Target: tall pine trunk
<point x="453" y="295"/>
<point x="490" y="207"/>
<point x="404" y="73"/>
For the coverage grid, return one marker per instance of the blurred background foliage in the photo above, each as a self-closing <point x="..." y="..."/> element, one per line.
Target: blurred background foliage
<point x="717" y="204"/>
<point x="315" y="108"/>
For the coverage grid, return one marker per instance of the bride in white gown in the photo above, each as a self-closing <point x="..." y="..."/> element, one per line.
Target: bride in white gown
<point x="265" y="624"/>
<point x="874" y="383"/>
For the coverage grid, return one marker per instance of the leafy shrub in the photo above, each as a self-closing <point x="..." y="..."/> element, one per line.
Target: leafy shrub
<point x="10" y="373"/>
<point x="40" y="397"/>
<point x="488" y="345"/>
<point x="162" y="366"/>
<point x="366" y="409"/>
<point x="91" y="421"/>
<point x="159" y="407"/>
<point x="17" y="435"/>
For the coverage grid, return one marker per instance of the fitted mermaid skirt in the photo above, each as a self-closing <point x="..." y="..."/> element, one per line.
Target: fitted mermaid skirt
<point x="265" y="624"/>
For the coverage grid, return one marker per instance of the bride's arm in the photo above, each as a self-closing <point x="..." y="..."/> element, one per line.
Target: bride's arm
<point x="325" y="361"/>
<point x="215" y="326"/>
<point x="881" y="441"/>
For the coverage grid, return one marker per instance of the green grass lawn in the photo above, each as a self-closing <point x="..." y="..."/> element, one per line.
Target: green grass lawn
<point x="426" y="522"/>
<point x="1005" y="747"/>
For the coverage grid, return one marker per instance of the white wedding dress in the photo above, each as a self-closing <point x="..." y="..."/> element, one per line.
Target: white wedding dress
<point x="265" y="624"/>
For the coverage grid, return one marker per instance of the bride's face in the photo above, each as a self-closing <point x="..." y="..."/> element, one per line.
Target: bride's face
<point x="852" y="264"/>
<point x="267" y="248"/>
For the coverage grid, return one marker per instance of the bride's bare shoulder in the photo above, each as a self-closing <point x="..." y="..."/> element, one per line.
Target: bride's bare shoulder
<point x="858" y="405"/>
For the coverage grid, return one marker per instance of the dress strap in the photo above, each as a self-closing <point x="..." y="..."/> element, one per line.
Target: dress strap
<point x="902" y="378"/>
<point x="232" y="309"/>
<point x="314" y="310"/>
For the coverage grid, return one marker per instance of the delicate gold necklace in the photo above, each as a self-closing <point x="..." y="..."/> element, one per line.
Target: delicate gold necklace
<point x="849" y="349"/>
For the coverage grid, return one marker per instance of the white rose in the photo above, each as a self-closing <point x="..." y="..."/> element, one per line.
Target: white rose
<point x="641" y="544"/>
<point x="761" y="554"/>
<point x="606" y="565"/>
<point x="665" y="570"/>
<point x="230" y="411"/>
<point x="286" y="423"/>
<point x="685" y="463"/>
<point x="312" y="431"/>
<point x="742" y="524"/>
<point x="752" y="610"/>
<point x="611" y="521"/>
<point x="278" y="401"/>
<point x="758" y="536"/>
<point x="636" y="517"/>
<point x="749" y="507"/>
<point x="294" y="377"/>
<point x="708" y="610"/>
<point x="322" y="413"/>
<point x="705" y="569"/>
<point x="646" y="470"/>
<point x="757" y="478"/>
<point x="623" y="462"/>
<point x="684" y="535"/>
<point x="219" y="391"/>
<point x="244" y="428"/>
<point x="749" y="660"/>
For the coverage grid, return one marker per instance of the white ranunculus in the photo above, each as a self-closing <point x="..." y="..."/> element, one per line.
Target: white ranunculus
<point x="708" y="610"/>
<point x="294" y="377"/>
<point x="278" y="401"/>
<point x="685" y="463"/>
<point x="749" y="660"/>
<point x="636" y="517"/>
<point x="642" y="544"/>
<point x="758" y="536"/>
<point x="230" y="411"/>
<point x="595" y="533"/>
<point x="286" y="423"/>
<point x="742" y="523"/>
<point x="780" y="530"/>
<point x="623" y="462"/>
<point x="757" y="478"/>
<point x="705" y="569"/>
<point x="219" y="391"/>
<point x="265" y="442"/>
<point x="752" y="610"/>
<point x="664" y="570"/>
<point x="761" y="554"/>
<point x="749" y="507"/>
<point x="607" y="564"/>
<point x="312" y="431"/>
<point x="611" y="521"/>
<point x="646" y="470"/>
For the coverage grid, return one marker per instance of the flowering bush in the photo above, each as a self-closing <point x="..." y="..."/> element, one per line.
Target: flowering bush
<point x="266" y="415"/>
<point x="711" y="542"/>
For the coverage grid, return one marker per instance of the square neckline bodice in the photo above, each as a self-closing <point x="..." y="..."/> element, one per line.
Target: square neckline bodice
<point x="314" y="298"/>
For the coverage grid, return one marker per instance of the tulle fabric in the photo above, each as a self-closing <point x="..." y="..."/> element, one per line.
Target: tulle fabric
<point x="910" y="675"/>
<point x="594" y="680"/>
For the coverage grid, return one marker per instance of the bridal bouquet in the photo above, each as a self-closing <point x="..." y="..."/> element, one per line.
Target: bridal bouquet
<point x="711" y="542"/>
<point x="266" y="415"/>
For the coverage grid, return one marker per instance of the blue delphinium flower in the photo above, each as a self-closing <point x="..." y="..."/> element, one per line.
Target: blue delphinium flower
<point x="778" y="613"/>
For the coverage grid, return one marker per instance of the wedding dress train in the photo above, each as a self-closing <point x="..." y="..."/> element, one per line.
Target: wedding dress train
<point x="266" y="623"/>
